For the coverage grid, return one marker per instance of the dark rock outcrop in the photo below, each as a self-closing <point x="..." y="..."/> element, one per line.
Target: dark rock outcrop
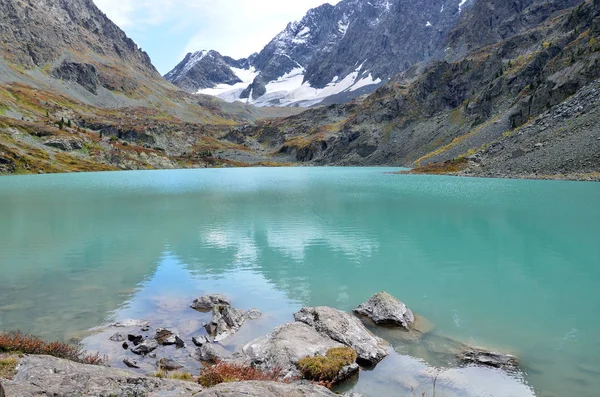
<point x="84" y="74"/>
<point x="64" y="144"/>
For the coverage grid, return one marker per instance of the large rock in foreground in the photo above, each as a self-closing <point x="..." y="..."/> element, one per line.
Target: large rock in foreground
<point x="285" y="346"/>
<point x="266" y="389"/>
<point x="384" y="309"/>
<point x="49" y="376"/>
<point x="346" y="329"/>
<point x="226" y="321"/>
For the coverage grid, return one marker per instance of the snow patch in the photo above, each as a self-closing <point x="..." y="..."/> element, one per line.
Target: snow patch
<point x="290" y="89"/>
<point x="343" y="26"/>
<point x="367" y="81"/>
<point x="461" y="4"/>
<point x="428" y="24"/>
<point x="231" y="93"/>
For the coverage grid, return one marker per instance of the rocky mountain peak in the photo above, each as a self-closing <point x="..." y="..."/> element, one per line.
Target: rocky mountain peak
<point x="335" y="53"/>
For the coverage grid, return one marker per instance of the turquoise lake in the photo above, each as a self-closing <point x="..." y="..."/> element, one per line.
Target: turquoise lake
<point x="510" y="265"/>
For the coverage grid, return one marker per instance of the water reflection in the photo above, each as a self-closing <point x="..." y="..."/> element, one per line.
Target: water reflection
<point x="490" y="262"/>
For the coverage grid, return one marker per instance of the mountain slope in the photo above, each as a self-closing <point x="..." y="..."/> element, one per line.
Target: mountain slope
<point x="77" y="94"/>
<point x="339" y="52"/>
<point x="541" y="53"/>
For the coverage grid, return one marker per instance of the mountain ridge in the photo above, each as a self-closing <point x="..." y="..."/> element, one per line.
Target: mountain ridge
<point x="336" y="50"/>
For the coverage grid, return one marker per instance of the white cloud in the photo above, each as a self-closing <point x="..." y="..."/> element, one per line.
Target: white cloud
<point x="233" y="27"/>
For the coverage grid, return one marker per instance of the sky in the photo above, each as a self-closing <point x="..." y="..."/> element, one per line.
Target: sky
<point x="169" y="29"/>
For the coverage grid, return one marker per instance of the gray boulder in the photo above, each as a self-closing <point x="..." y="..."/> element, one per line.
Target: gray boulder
<point x="488" y="359"/>
<point x="266" y="389"/>
<point x="49" y="376"/>
<point x="209" y="302"/>
<point x="384" y="309"/>
<point x="226" y="321"/>
<point x="285" y="346"/>
<point x="346" y="329"/>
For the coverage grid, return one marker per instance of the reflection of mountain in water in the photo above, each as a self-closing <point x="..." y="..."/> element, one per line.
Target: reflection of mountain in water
<point x="474" y="256"/>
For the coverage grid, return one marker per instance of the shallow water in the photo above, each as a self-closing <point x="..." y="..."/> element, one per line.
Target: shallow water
<point x="510" y="265"/>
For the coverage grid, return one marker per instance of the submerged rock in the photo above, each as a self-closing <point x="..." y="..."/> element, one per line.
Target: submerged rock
<point x="147" y="346"/>
<point x="130" y="363"/>
<point x="487" y="358"/>
<point x="285" y="346"/>
<point x="253" y="314"/>
<point x="346" y="329"/>
<point x="384" y="309"/>
<point x="119" y="337"/>
<point x="200" y="340"/>
<point x="226" y="321"/>
<point x="208" y="302"/>
<point x="164" y="337"/>
<point x="168" y="338"/>
<point x="266" y="389"/>
<point x="130" y="323"/>
<point x="211" y="352"/>
<point x="167" y="364"/>
<point x="49" y="376"/>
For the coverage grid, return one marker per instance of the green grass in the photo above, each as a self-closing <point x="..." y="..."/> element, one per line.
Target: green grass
<point x="326" y="368"/>
<point x="8" y="365"/>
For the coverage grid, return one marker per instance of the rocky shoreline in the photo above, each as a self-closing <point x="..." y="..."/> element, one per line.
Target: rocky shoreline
<point x="301" y="357"/>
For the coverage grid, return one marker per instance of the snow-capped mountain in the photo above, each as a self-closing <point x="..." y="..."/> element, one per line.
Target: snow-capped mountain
<point x="333" y="54"/>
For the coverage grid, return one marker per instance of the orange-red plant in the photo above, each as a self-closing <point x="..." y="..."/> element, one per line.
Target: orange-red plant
<point x="18" y="342"/>
<point x="225" y="372"/>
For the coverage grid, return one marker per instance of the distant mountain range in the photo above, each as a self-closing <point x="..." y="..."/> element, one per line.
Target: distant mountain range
<point x="333" y="54"/>
<point x="474" y="87"/>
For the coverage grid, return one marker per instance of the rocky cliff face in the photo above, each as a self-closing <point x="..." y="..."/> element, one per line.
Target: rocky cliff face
<point x="527" y="58"/>
<point x="336" y="53"/>
<point x="55" y="34"/>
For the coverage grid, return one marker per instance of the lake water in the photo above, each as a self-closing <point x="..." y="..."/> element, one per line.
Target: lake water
<point x="505" y="264"/>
